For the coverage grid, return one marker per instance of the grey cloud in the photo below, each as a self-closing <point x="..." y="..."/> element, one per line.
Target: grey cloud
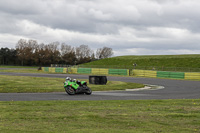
<point x="126" y="24"/>
<point x="85" y="16"/>
<point x="20" y="7"/>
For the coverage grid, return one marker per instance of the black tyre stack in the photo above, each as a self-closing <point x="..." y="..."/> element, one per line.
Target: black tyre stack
<point x="99" y="80"/>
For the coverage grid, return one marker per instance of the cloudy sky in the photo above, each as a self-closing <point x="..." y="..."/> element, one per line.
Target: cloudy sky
<point x="130" y="27"/>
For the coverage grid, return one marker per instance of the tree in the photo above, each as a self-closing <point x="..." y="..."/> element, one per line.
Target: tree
<point x="26" y="51"/>
<point x="52" y="52"/>
<point x="83" y="54"/>
<point x="68" y="54"/>
<point x="104" y="52"/>
<point x="12" y="57"/>
<point x="65" y="49"/>
<point x="29" y="52"/>
<point x="32" y="55"/>
<point x="20" y="47"/>
<point x="93" y="56"/>
<point x="7" y="56"/>
<point x="4" y="53"/>
<point x="83" y="51"/>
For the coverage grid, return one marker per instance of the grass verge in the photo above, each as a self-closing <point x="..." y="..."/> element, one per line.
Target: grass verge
<point x="11" y="84"/>
<point x="4" y="66"/>
<point x="191" y="61"/>
<point x="101" y="116"/>
<point x="31" y="70"/>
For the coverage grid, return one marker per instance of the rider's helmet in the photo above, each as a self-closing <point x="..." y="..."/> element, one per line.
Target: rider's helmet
<point x="74" y="80"/>
<point x="68" y="78"/>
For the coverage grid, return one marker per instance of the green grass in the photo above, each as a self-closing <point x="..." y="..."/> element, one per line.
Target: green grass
<point x="5" y="66"/>
<point x="160" y="62"/>
<point x="11" y="84"/>
<point x="34" y="70"/>
<point x="31" y="70"/>
<point x="115" y="85"/>
<point x="100" y="116"/>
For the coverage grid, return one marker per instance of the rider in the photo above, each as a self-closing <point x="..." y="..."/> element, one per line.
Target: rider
<point x="68" y="78"/>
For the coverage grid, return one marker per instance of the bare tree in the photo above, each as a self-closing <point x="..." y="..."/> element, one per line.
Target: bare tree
<point x="21" y="52"/>
<point x="104" y="52"/>
<point x="26" y="51"/>
<point x="65" y="49"/>
<point x="32" y="52"/>
<point x="68" y="54"/>
<point x="52" y="52"/>
<point x="39" y="56"/>
<point x="78" y="52"/>
<point x="83" y="53"/>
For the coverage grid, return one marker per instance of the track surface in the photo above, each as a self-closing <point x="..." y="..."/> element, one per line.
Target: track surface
<point x="173" y="89"/>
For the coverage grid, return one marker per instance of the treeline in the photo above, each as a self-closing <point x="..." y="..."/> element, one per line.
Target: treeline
<point x="31" y="53"/>
<point x="8" y="57"/>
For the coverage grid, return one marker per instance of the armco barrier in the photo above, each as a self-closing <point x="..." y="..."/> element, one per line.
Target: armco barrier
<point x="52" y="69"/>
<point x="46" y="69"/>
<point x="137" y="73"/>
<point x="177" y="75"/>
<point x="144" y="73"/>
<point x="161" y="74"/>
<point x="64" y="70"/>
<point x="174" y="75"/>
<point x="101" y="71"/>
<point x="72" y="70"/>
<point x="59" y="69"/>
<point x="84" y="70"/>
<point x="195" y="76"/>
<point x="118" y="71"/>
<point x="151" y="74"/>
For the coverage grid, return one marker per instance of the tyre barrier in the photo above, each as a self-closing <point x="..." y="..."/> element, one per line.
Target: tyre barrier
<point x="99" y="80"/>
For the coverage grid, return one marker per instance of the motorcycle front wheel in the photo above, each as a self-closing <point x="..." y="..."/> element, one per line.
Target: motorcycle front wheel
<point x="89" y="91"/>
<point x="70" y="90"/>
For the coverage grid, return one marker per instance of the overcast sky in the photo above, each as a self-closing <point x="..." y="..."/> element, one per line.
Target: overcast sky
<point x="130" y="27"/>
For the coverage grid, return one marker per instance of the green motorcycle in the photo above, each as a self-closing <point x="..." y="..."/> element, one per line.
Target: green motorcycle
<point x="73" y="87"/>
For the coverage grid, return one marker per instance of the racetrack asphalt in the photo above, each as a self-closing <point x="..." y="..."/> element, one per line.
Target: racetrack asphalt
<point x="173" y="89"/>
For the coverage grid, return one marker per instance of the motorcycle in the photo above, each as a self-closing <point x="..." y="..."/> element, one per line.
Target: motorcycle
<point x="73" y="87"/>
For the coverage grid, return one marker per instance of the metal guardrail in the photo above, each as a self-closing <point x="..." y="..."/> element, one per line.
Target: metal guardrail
<point x="154" y="68"/>
<point x="125" y="72"/>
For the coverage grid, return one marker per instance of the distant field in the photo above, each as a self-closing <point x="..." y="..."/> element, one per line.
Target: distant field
<point x="159" y="62"/>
